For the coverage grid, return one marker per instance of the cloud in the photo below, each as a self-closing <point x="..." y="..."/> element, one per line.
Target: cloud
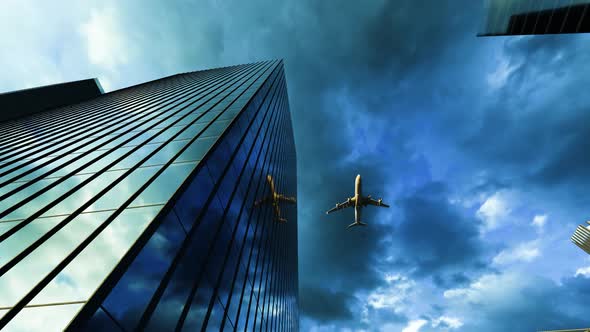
<point x="104" y="36"/>
<point x="415" y="325"/>
<point x="494" y="211"/>
<point x="326" y="306"/>
<point x="436" y="238"/>
<point x="392" y="295"/>
<point x="544" y="72"/>
<point x="447" y="322"/>
<point x="519" y="301"/>
<point x="539" y="222"/>
<point x="525" y="252"/>
<point x="583" y="271"/>
<point x="40" y="49"/>
<point x="500" y="75"/>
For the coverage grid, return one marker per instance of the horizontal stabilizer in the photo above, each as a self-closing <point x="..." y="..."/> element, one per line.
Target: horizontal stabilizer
<point x="356" y="224"/>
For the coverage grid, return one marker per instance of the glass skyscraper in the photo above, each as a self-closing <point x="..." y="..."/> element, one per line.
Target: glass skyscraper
<point x="138" y="209"/>
<point x="536" y="17"/>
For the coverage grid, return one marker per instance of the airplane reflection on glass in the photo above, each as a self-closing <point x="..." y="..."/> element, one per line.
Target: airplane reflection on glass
<point x="275" y="198"/>
<point x="358" y="201"/>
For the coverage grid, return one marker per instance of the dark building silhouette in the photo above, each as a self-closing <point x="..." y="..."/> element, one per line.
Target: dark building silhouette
<point x="17" y="104"/>
<point x="134" y="210"/>
<point x="514" y="17"/>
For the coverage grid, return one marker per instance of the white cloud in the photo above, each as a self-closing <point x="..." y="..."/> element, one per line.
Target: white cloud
<point x="539" y="222"/>
<point x="39" y="50"/>
<point x="392" y="295"/>
<point x="105" y="43"/>
<point x="500" y="75"/>
<point x="447" y="322"/>
<point x="415" y="325"/>
<point x="494" y="211"/>
<point x="493" y="294"/>
<point x="488" y="288"/>
<point x="525" y="252"/>
<point x="583" y="271"/>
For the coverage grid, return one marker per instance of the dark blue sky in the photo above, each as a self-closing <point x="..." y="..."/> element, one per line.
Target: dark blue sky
<point x="479" y="144"/>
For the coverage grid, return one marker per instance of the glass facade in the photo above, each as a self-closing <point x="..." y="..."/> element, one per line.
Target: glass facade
<point x="135" y="210"/>
<point x="536" y="17"/>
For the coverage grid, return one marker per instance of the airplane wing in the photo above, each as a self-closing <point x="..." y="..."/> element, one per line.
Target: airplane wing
<point x="343" y="205"/>
<point x="287" y="199"/>
<point x="376" y="202"/>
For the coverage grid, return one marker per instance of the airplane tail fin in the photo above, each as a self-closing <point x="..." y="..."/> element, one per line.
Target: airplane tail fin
<point x="359" y="223"/>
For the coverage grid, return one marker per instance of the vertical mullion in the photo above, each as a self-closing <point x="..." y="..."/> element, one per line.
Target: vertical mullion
<point x="202" y="272"/>
<point x="265" y="251"/>
<point x="257" y="216"/>
<point x="268" y="129"/>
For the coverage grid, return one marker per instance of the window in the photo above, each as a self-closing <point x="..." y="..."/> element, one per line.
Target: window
<point x="129" y="298"/>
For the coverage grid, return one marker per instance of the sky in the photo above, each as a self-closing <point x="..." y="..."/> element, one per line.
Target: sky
<point x="478" y="144"/>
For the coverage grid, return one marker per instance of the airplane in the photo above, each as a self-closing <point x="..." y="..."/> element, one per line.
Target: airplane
<point x="275" y="198"/>
<point x="358" y="202"/>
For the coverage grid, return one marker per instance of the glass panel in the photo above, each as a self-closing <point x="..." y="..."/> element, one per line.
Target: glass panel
<point x="166" y="153"/>
<point x="7" y="188"/>
<point x="40" y="201"/>
<point x="87" y="271"/>
<point x="191" y="131"/>
<point x="244" y="119"/>
<point x="165" y="185"/>
<point x="197" y="149"/>
<point x="216" y="128"/>
<point x="215" y="318"/>
<point x="247" y="290"/>
<point x="220" y="247"/>
<point x="191" y="202"/>
<point x="198" y="309"/>
<point x="15" y="283"/>
<point x="129" y="298"/>
<point x="227" y="274"/>
<point x="117" y="195"/>
<point x="28" y="165"/>
<point x="251" y="311"/>
<point x="82" y="195"/>
<point x="226" y="187"/>
<point x="230" y="113"/>
<point x="234" y="300"/>
<point x="208" y="116"/>
<point x="218" y="160"/>
<point x="184" y="277"/>
<point x="130" y="161"/>
<point x="23" y="238"/>
<point x="92" y="168"/>
<point x="162" y="137"/>
<point x="51" y="318"/>
<point x="100" y="322"/>
<point x="189" y="118"/>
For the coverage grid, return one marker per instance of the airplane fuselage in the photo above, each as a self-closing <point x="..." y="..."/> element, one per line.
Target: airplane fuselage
<point x="358" y="191"/>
